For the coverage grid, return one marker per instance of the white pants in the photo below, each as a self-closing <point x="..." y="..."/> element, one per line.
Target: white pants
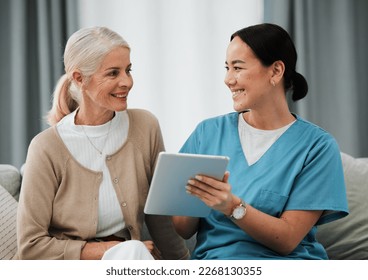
<point x="128" y="250"/>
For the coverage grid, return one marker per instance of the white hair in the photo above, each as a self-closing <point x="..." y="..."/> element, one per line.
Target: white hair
<point x="84" y="51"/>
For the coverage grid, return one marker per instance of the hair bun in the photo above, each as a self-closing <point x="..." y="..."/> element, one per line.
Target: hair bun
<point x="300" y="86"/>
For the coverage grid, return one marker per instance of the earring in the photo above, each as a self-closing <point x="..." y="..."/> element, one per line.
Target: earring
<point x="273" y="83"/>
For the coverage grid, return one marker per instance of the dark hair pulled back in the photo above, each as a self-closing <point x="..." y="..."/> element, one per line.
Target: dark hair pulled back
<point x="271" y="43"/>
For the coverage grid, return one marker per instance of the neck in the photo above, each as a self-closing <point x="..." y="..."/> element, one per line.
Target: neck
<point x="267" y="122"/>
<point x="90" y="118"/>
<point x="273" y="113"/>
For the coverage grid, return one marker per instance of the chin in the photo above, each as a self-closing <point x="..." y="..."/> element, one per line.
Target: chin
<point x="239" y="108"/>
<point x="120" y="108"/>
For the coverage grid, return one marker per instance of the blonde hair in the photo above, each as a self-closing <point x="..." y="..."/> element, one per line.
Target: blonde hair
<point x="84" y="52"/>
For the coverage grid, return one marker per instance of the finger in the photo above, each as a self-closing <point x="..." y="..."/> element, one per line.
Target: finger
<point x="210" y="185"/>
<point x="199" y="188"/>
<point x="214" y="183"/>
<point x="149" y="245"/>
<point x="226" y="177"/>
<point x="152" y="249"/>
<point x="156" y="253"/>
<point x="211" y="198"/>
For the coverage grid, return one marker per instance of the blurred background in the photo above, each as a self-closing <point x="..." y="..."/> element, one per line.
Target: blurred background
<point x="178" y="54"/>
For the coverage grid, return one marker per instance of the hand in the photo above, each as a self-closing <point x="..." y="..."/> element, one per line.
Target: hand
<point x="214" y="193"/>
<point x="95" y="250"/>
<point x="152" y="249"/>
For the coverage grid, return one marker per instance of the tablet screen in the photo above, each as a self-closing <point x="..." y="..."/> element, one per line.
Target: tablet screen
<point x="167" y="194"/>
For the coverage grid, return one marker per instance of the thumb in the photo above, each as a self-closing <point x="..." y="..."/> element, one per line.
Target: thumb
<point x="225" y="179"/>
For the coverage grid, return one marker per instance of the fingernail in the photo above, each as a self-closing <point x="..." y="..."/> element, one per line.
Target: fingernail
<point x="191" y="182"/>
<point x="198" y="177"/>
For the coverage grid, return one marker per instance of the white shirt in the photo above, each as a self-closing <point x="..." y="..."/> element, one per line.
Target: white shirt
<point x="255" y="142"/>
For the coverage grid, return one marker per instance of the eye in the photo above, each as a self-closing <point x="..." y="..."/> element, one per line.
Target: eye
<point x="227" y="68"/>
<point x="128" y="70"/>
<point x="113" y="73"/>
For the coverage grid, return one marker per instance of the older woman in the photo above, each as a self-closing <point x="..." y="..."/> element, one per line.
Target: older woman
<point x="87" y="177"/>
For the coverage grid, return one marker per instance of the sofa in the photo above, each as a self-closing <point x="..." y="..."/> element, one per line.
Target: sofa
<point x="343" y="239"/>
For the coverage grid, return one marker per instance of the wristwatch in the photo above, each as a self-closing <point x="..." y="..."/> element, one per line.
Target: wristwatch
<point x="239" y="211"/>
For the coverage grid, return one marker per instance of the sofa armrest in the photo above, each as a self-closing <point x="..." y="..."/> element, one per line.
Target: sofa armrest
<point x="8" y="213"/>
<point x="10" y="179"/>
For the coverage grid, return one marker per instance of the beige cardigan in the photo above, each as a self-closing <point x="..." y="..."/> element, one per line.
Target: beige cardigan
<point x="58" y="205"/>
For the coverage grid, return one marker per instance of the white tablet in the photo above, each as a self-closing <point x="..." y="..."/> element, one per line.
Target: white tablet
<point x="167" y="194"/>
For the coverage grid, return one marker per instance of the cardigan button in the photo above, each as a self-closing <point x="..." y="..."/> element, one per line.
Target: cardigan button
<point x="124" y="204"/>
<point x="116" y="180"/>
<point x="108" y="158"/>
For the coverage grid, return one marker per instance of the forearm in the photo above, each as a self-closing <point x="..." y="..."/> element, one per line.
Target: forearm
<point x="279" y="234"/>
<point x="95" y="250"/>
<point x="167" y="240"/>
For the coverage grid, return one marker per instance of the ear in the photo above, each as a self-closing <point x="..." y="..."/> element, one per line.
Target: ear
<point x="78" y="78"/>
<point x="278" y="69"/>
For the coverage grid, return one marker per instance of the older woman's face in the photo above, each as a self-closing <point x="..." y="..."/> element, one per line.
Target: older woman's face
<point x="246" y="77"/>
<point x="108" y="88"/>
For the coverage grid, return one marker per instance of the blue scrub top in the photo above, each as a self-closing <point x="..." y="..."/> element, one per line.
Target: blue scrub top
<point x="302" y="170"/>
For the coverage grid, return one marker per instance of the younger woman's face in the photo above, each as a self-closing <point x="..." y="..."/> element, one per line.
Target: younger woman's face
<point x="247" y="78"/>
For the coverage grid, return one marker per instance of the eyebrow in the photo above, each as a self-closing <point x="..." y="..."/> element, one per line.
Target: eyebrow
<point x="235" y="62"/>
<point x="116" y="67"/>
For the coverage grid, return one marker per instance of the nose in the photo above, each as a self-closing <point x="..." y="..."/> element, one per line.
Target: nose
<point x="230" y="78"/>
<point x="126" y="80"/>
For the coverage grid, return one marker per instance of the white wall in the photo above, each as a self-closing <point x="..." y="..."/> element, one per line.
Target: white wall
<point x="178" y="55"/>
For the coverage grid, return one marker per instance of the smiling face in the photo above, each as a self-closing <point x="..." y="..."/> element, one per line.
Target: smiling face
<point x="106" y="91"/>
<point x="246" y="77"/>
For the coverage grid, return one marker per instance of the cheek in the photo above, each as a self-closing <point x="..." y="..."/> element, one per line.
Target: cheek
<point x="104" y="88"/>
<point x="244" y="78"/>
<point x="98" y="91"/>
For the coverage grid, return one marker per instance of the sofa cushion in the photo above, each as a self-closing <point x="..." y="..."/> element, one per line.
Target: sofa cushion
<point x="8" y="212"/>
<point x="348" y="238"/>
<point x="10" y="179"/>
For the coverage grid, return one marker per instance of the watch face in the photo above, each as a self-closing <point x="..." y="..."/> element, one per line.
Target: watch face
<point x="239" y="212"/>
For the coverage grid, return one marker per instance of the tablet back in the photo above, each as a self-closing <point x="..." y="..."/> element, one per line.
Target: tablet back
<point x="167" y="194"/>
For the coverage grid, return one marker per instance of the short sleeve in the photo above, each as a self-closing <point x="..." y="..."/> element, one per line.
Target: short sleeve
<point x="320" y="184"/>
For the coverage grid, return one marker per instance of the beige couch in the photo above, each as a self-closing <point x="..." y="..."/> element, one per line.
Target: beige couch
<point x="343" y="239"/>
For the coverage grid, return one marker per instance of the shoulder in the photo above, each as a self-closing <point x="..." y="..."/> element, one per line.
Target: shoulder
<point x="214" y="122"/>
<point x="315" y="139"/>
<point x="217" y="129"/>
<point x="44" y="138"/>
<point x="47" y="151"/>
<point x="47" y="142"/>
<point x="143" y="125"/>
<point x="141" y="116"/>
<point x="311" y="130"/>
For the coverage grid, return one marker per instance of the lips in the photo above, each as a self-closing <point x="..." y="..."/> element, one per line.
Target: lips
<point x="120" y="95"/>
<point x="237" y="92"/>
